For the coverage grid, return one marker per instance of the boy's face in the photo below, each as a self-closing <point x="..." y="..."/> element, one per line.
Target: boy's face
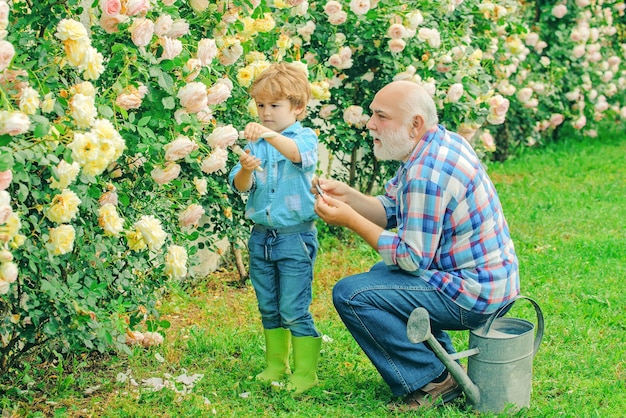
<point x="274" y="114"/>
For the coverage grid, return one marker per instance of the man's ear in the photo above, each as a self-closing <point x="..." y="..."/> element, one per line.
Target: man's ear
<point x="417" y="125"/>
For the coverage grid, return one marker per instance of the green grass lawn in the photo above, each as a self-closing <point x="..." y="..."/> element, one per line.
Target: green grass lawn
<point x="565" y="207"/>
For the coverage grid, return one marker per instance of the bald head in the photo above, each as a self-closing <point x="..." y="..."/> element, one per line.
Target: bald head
<point x="408" y="99"/>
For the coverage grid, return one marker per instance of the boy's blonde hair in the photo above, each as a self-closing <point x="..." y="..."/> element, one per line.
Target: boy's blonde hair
<point x="284" y="81"/>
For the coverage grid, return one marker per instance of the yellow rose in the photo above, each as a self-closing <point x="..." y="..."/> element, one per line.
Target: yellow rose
<point x="109" y="220"/>
<point x="64" y="207"/>
<point x="135" y="240"/>
<point x="61" y="240"/>
<point x="244" y="76"/>
<point x="176" y="262"/>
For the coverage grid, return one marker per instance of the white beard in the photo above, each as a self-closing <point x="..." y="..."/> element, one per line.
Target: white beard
<point x="394" y="145"/>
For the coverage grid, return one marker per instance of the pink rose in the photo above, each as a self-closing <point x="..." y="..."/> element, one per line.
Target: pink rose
<point x="193" y="97"/>
<point x="111" y="7"/>
<point x="559" y="11"/>
<point x="218" y="93"/>
<point x="179" y="148"/>
<point x="397" y="45"/>
<point x="455" y="92"/>
<point x="5" y="179"/>
<point x="222" y="137"/>
<point x="163" y="25"/>
<point x="141" y="31"/>
<point x="338" y="18"/>
<point x="207" y="51"/>
<point x="215" y="162"/>
<point x="396" y="31"/>
<point x="171" y="48"/>
<point x="167" y="174"/>
<point x="332" y="7"/>
<point x="191" y="215"/>
<point x="7" y="52"/>
<point x="110" y="23"/>
<point x="135" y="7"/>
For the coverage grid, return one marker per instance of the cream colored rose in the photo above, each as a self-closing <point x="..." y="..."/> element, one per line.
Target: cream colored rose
<point x="215" y="162"/>
<point x="179" y="148"/>
<point x="223" y="137"/>
<point x="151" y="231"/>
<point x="29" y="100"/>
<point x="5" y="256"/>
<point x="109" y="220"/>
<point x="92" y="64"/>
<point x="166" y="174"/>
<point x="64" y="174"/>
<point x="199" y="5"/>
<point x="8" y="272"/>
<point x="176" y="262"/>
<point x="69" y="29"/>
<point x="47" y="105"/>
<point x="201" y="185"/>
<point x="320" y="90"/>
<point x="134" y="337"/>
<point x="191" y="215"/>
<point x="85" y="88"/>
<point x="193" y="97"/>
<point x="13" y="225"/>
<point x="231" y="52"/>
<point x="64" y="207"/>
<point x="13" y="123"/>
<point x="61" y="240"/>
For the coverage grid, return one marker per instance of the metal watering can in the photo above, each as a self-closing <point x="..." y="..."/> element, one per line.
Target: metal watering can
<point x="500" y="358"/>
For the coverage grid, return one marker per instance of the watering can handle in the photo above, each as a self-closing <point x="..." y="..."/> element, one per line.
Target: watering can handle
<point x="540" y="322"/>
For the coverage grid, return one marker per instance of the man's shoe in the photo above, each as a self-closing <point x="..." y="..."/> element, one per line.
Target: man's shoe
<point x="432" y="394"/>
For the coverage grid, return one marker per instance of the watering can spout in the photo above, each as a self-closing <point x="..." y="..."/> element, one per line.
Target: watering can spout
<point x="418" y="330"/>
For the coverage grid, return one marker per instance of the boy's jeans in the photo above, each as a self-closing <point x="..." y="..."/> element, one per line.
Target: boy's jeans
<point x="281" y="271"/>
<point x="375" y="307"/>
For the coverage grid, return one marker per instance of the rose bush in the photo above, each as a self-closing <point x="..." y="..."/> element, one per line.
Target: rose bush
<point x="117" y="117"/>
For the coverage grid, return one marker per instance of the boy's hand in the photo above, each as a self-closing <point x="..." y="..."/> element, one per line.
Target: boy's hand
<point x="254" y="131"/>
<point x="248" y="161"/>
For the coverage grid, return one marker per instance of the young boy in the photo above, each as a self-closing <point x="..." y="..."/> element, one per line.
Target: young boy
<point x="283" y="243"/>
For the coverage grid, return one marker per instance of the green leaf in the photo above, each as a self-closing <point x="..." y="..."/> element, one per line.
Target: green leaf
<point x="6" y="160"/>
<point x="168" y="102"/>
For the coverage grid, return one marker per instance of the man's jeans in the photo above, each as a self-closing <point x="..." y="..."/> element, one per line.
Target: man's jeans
<point x="281" y="271"/>
<point x="375" y="307"/>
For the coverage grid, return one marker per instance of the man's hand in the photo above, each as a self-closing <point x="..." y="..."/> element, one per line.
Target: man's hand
<point x="334" y="211"/>
<point x="336" y="189"/>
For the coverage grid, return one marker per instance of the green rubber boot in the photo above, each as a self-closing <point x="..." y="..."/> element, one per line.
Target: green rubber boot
<point x="276" y="355"/>
<point x="306" y="354"/>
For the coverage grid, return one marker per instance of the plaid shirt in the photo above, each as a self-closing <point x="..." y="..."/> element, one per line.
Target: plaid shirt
<point x="281" y="195"/>
<point x="445" y="224"/>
